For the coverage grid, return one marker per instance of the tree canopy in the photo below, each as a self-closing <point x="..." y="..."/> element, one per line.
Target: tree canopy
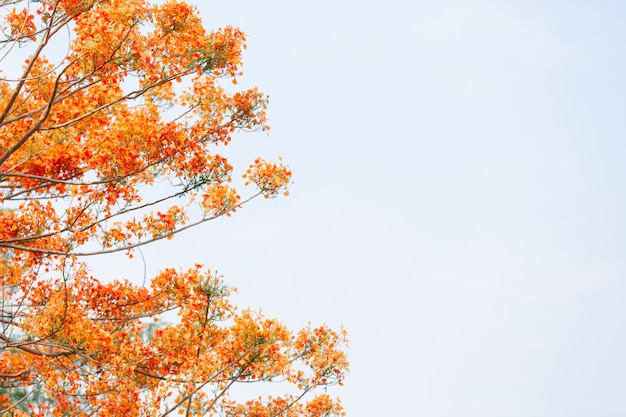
<point x="112" y="114"/>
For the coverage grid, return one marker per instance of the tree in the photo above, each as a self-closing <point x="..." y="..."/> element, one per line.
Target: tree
<point x="108" y="146"/>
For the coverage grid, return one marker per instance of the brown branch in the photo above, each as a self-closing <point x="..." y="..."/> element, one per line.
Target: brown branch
<point x="33" y="128"/>
<point x="127" y="247"/>
<point x="16" y="375"/>
<point x="149" y="374"/>
<point x="230" y="124"/>
<point x="89" y="226"/>
<point x="24" y="347"/>
<point x="61" y="97"/>
<point x="20" y="84"/>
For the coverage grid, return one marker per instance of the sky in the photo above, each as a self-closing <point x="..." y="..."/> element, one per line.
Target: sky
<point x="457" y="204"/>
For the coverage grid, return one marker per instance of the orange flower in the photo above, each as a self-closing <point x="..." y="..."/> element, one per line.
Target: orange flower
<point x="111" y="147"/>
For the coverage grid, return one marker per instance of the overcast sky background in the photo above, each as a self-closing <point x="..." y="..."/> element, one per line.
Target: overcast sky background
<point x="458" y="199"/>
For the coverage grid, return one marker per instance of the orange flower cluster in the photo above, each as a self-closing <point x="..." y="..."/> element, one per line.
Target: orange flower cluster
<point x="21" y="24"/>
<point x="271" y="178"/>
<point x="108" y="147"/>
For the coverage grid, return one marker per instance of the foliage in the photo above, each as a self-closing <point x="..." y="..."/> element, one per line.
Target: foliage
<point x="107" y="147"/>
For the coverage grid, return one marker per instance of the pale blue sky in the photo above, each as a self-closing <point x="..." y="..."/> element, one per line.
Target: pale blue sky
<point x="458" y="199"/>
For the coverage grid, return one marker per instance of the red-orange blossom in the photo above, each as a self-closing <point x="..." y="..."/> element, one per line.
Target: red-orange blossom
<point x="109" y="140"/>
